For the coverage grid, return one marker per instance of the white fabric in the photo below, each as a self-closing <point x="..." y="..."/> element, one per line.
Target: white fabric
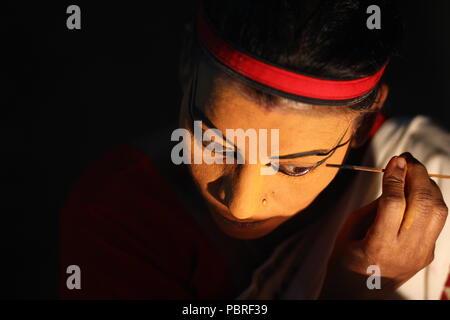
<point x="298" y="267"/>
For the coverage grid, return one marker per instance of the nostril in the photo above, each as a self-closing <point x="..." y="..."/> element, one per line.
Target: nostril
<point x="221" y="195"/>
<point x="218" y="190"/>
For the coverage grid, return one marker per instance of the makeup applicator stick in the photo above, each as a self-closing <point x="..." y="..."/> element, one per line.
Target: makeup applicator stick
<point x="370" y="169"/>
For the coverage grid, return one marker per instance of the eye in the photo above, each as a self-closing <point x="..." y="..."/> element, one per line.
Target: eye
<point x="294" y="171"/>
<point x="213" y="146"/>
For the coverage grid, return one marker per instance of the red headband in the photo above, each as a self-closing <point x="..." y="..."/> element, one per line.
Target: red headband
<point x="281" y="79"/>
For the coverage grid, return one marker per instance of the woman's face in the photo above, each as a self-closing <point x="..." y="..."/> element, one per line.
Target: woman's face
<point x="243" y="202"/>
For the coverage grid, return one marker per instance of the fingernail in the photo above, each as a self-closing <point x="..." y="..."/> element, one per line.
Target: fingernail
<point x="401" y="162"/>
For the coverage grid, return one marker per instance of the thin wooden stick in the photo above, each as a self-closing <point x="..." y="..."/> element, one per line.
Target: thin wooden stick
<point x="370" y="169"/>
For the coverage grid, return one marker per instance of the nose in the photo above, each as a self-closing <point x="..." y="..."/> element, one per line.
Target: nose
<point x="246" y="191"/>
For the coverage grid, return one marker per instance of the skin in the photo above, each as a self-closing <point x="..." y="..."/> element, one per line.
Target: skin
<point x="236" y="191"/>
<point x="396" y="232"/>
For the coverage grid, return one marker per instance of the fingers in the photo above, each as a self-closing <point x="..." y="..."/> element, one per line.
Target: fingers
<point x="426" y="209"/>
<point x="392" y="203"/>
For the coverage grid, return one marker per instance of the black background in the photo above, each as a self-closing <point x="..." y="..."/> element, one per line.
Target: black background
<point x="67" y="95"/>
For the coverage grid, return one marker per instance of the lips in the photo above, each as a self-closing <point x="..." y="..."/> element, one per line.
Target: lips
<point x="244" y="224"/>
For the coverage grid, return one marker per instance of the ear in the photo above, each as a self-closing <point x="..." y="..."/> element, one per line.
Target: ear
<point x="383" y="93"/>
<point x="362" y="131"/>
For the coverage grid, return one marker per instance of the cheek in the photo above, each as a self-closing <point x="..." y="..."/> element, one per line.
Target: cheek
<point x="203" y="173"/>
<point x="288" y="198"/>
<point x="291" y="195"/>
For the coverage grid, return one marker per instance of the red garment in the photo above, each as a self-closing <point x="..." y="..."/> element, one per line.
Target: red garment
<point x="379" y="120"/>
<point x="132" y="239"/>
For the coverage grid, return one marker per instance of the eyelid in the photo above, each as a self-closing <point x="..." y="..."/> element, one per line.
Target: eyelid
<point x="299" y="163"/>
<point x="225" y="148"/>
<point x="309" y="170"/>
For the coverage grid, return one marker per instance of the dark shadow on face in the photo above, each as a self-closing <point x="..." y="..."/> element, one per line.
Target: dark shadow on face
<point x="214" y="188"/>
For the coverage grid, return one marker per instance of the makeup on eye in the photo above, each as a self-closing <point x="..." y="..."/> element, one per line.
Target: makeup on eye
<point x="312" y="153"/>
<point x="215" y="147"/>
<point x="196" y="113"/>
<point x="295" y="171"/>
<point x="294" y="167"/>
<point x="290" y="169"/>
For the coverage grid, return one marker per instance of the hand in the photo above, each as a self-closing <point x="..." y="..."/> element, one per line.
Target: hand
<point x="397" y="232"/>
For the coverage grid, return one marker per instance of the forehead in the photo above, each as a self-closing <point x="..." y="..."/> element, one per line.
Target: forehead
<point x="227" y="107"/>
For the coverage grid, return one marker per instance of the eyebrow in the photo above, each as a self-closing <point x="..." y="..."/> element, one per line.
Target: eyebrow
<point x="320" y="152"/>
<point x="196" y="112"/>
